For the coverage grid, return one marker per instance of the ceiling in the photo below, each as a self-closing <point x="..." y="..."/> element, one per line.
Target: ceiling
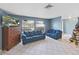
<point x="37" y="9"/>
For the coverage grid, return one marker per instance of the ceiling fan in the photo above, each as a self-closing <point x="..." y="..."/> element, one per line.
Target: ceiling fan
<point x="49" y="6"/>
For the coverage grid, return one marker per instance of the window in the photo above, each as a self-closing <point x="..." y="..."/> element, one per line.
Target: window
<point x="31" y="25"/>
<point x="27" y="25"/>
<point x="40" y="25"/>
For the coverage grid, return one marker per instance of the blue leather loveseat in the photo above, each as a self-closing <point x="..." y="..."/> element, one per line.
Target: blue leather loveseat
<point x="55" y="34"/>
<point x="32" y="36"/>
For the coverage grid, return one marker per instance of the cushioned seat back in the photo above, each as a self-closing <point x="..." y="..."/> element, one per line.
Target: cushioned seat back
<point x="51" y="31"/>
<point x="58" y="31"/>
<point x="37" y="32"/>
<point x="32" y="33"/>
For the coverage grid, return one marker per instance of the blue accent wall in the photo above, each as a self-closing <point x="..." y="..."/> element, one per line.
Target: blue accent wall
<point x="47" y="24"/>
<point x="56" y="23"/>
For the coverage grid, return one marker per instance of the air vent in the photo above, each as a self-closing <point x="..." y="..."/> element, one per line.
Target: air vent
<point x="49" y="6"/>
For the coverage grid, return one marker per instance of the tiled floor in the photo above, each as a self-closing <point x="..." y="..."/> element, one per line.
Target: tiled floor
<point x="48" y="46"/>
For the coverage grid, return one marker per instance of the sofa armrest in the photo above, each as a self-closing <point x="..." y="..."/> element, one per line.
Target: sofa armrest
<point x="23" y="37"/>
<point x="58" y="32"/>
<point x="43" y="33"/>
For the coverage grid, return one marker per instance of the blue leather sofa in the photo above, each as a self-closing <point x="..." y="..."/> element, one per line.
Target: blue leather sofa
<point x="32" y="36"/>
<point x="55" y="34"/>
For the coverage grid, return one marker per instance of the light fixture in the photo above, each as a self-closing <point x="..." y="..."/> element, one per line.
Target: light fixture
<point x="70" y="17"/>
<point x="49" y="6"/>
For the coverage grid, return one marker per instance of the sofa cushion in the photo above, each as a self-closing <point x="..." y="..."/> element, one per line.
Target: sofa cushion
<point x="32" y="33"/>
<point x="28" y="37"/>
<point x="51" y="31"/>
<point x="37" y="32"/>
<point x="37" y="37"/>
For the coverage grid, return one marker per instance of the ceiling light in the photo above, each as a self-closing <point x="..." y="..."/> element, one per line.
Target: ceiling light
<point x="70" y="17"/>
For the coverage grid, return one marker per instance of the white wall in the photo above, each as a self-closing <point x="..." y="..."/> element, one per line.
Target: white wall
<point x="69" y="25"/>
<point x="0" y="37"/>
<point x="0" y="33"/>
<point x="38" y="10"/>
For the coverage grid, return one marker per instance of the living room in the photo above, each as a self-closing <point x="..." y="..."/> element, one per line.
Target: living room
<point x="38" y="29"/>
